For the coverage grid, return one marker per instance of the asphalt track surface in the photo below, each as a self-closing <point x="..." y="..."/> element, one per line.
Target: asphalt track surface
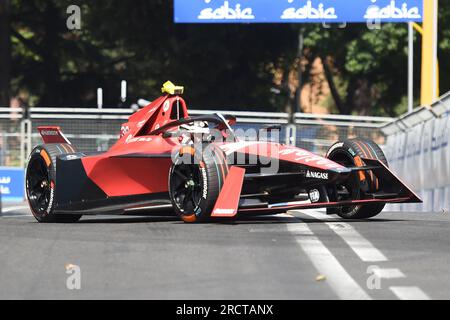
<point x="298" y="255"/>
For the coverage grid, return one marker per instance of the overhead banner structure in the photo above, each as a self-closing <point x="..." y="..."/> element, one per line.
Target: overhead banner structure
<point x="297" y="11"/>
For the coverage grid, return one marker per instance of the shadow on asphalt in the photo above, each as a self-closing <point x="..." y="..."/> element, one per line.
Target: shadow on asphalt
<point x="353" y="220"/>
<point x="127" y="220"/>
<point x="258" y="220"/>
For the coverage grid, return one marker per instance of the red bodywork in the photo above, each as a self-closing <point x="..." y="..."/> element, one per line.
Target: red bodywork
<point x="125" y="169"/>
<point x="139" y="164"/>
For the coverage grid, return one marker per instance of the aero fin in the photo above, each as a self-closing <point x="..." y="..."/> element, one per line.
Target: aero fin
<point x="52" y="135"/>
<point x="228" y="202"/>
<point x="390" y="183"/>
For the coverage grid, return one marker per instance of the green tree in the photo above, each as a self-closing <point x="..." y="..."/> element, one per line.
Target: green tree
<point x="5" y="52"/>
<point x="221" y="66"/>
<point x="365" y="69"/>
<point x="242" y="66"/>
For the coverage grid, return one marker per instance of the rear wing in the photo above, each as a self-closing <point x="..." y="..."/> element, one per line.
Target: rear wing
<point x="53" y="134"/>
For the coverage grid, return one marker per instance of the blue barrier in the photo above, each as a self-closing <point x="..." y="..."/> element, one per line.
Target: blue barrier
<point x="297" y="11"/>
<point x="12" y="184"/>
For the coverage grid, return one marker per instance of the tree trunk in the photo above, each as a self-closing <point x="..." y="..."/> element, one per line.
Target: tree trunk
<point x="298" y="92"/>
<point x="5" y="53"/>
<point x="333" y="89"/>
<point x="52" y="94"/>
<point x="350" y="98"/>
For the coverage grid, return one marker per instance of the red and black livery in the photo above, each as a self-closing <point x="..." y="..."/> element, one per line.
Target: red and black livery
<point x="167" y="161"/>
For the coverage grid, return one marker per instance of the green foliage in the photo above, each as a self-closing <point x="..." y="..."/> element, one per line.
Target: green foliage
<point x="222" y="66"/>
<point x="372" y="63"/>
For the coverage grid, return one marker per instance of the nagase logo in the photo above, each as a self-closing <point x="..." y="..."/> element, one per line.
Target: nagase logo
<point x="317" y="175"/>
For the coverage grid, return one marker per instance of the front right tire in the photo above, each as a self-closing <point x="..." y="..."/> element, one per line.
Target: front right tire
<point x="349" y="153"/>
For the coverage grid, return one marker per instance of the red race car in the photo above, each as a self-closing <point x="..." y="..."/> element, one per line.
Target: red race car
<point x="200" y="169"/>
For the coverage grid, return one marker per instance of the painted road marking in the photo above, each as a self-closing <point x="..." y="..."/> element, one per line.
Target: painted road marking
<point x="368" y="253"/>
<point x="285" y="215"/>
<point x="326" y="263"/>
<point x="409" y="293"/>
<point x="11" y="209"/>
<point x="363" y="248"/>
<point x="16" y="216"/>
<point x="388" y="273"/>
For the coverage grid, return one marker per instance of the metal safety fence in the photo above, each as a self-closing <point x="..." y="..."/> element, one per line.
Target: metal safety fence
<point x="418" y="150"/>
<point x="92" y="129"/>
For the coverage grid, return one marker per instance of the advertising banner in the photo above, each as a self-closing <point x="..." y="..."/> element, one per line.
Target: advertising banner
<point x="297" y="11"/>
<point x="12" y="184"/>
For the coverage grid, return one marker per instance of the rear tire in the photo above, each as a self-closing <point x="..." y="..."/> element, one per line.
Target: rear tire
<point x="41" y="183"/>
<point x="195" y="181"/>
<point x="349" y="153"/>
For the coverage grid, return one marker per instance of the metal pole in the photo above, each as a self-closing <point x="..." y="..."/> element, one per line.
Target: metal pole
<point x="99" y="98"/>
<point x="429" y="52"/>
<point x="410" y="67"/>
<point x="23" y="143"/>
<point x="435" y="50"/>
<point x="29" y="135"/>
<point x="123" y="91"/>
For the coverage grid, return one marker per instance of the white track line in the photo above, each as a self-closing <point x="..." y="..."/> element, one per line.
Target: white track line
<point x="365" y="250"/>
<point x="388" y="273"/>
<point x="325" y="262"/>
<point x="360" y="245"/>
<point x="11" y="209"/>
<point x="409" y="293"/>
<point x="368" y="253"/>
<point x="16" y="216"/>
<point x="284" y="215"/>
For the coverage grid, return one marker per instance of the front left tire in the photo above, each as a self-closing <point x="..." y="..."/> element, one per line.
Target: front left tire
<point x="195" y="181"/>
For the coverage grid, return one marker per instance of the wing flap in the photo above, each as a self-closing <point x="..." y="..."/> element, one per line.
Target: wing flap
<point x="53" y="134"/>
<point x="390" y="183"/>
<point x="228" y="201"/>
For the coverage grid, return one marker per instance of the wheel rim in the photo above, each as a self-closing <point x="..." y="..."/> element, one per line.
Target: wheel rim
<point x="39" y="186"/>
<point x="186" y="188"/>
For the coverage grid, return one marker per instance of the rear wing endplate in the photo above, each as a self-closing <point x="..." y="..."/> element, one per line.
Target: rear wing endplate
<point x="53" y="134"/>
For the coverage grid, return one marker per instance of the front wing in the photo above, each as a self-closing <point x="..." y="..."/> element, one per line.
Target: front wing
<point x="392" y="190"/>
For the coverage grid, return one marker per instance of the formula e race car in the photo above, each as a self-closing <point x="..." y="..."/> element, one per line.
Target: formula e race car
<point x="200" y="169"/>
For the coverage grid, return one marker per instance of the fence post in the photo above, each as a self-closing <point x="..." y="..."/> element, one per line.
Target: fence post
<point x="25" y="141"/>
<point x="22" y="143"/>
<point x="291" y="135"/>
